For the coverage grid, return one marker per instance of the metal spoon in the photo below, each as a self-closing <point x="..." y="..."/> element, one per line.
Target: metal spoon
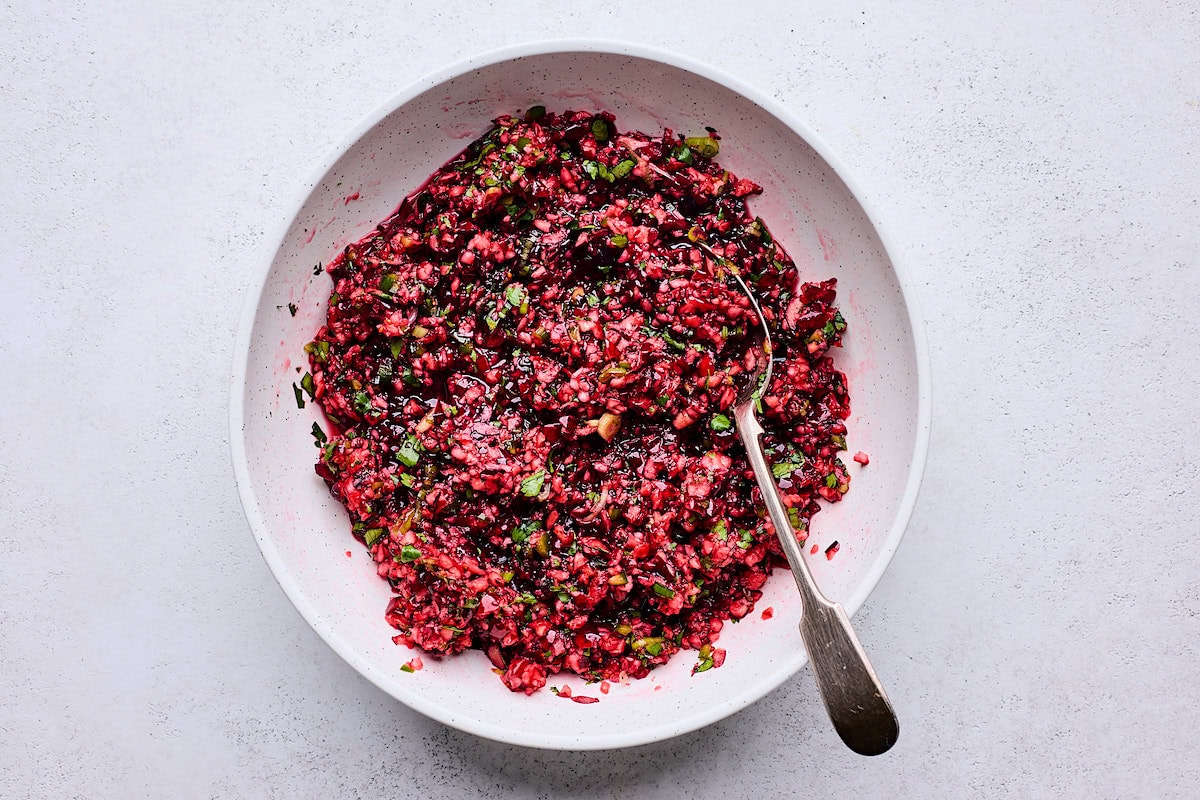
<point x="853" y="696"/>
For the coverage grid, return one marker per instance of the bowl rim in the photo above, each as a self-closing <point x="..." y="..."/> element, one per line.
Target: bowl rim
<point x="241" y="353"/>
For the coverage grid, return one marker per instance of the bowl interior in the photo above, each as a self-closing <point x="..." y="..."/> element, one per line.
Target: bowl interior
<point x="304" y="532"/>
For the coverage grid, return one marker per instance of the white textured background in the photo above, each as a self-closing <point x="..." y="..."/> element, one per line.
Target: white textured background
<point x="1039" y="628"/>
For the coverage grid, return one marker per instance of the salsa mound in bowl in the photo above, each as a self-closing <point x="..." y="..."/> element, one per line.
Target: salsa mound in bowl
<point x="535" y="416"/>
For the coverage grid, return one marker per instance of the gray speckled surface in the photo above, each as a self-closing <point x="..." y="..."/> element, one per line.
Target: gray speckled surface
<point x="1038" y="629"/>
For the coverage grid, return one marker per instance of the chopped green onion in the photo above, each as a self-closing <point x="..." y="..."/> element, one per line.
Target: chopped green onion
<point x="623" y="168"/>
<point x="704" y="145"/>
<point x="793" y="515"/>
<point x="663" y="591"/>
<point x="319" y="350"/>
<point x="620" y="240"/>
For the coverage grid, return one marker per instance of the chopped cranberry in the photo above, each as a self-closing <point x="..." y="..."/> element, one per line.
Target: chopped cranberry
<point x="528" y="372"/>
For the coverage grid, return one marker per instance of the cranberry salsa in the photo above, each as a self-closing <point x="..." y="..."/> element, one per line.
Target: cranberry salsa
<point x="528" y="372"/>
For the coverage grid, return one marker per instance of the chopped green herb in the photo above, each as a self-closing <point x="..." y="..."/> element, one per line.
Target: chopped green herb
<point x="292" y="309"/>
<point x="371" y="535"/>
<point x="522" y="532"/>
<point x="515" y="295"/>
<point x="408" y="480"/>
<point x="306" y="383"/>
<point x="663" y="591"/>
<point x="620" y="240"/>
<point x="684" y="154"/>
<point x="409" y="554"/>
<point x="507" y="575"/>
<point x="407" y="454"/>
<point x="396" y="346"/>
<point x="362" y="403"/>
<point x="745" y="539"/>
<point x="782" y="469"/>
<point x="386" y="283"/>
<point x="532" y="486"/>
<point x="299" y="396"/>
<point x="600" y="129"/>
<point x="536" y="112"/>
<point x="831" y="480"/>
<point x="591" y="168"/>
<point x="319" y="435"/>
<point x="720" y="423"/>
<point x="666" y="337"/>
<point x="721" y="530"/>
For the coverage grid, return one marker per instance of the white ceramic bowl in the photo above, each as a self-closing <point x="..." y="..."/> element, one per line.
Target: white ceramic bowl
<point x="811" y="205"/>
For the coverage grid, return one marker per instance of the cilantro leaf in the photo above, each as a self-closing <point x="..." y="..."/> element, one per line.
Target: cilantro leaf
<point x="408" y="454"/>
<point x="532" y="486"/>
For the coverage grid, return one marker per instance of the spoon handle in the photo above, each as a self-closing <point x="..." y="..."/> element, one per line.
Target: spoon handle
<point x="853" y="696"/>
